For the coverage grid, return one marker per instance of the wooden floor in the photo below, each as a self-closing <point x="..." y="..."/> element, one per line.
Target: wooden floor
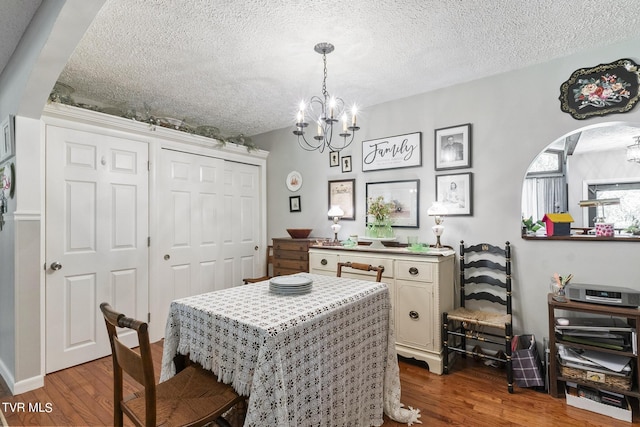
<point x="472" y="395"/>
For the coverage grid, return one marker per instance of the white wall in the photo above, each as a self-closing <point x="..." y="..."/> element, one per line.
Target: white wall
<point x="514" y="116"/>
<point x="25" y="84"/>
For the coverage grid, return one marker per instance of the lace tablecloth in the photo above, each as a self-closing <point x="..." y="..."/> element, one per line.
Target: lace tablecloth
<point x="324" y="358"/>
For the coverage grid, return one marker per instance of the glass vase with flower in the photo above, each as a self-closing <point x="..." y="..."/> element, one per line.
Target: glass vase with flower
<point x="379" y="212"/>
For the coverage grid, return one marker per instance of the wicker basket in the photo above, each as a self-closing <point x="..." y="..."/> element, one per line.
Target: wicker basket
<point x="597" y="378"/>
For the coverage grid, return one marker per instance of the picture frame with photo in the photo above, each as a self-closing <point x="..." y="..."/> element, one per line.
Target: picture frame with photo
<point x="334" y="158"/>
<point x="455" y="193"/>
<point x="343" y="193"/>
<point x="404" y="195"/>
<point x="346" y="164"/>
<point x="7" y="143"/>
<point x="452" y="147"/>
<point x="294" y="204"/>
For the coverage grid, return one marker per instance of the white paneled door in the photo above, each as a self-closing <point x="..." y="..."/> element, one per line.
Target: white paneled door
<point x="209" y="225"/>
<point x="96" y="240"/>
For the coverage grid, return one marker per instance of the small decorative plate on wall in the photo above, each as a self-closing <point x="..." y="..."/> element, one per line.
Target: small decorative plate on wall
<point x="601" y="90"/>
<point x="294" y="181"/>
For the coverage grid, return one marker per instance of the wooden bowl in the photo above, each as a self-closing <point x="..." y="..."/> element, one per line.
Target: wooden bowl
<point x="299" y="233"/>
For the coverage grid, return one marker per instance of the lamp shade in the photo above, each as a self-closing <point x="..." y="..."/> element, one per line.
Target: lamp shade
<point x="335" y="211"/>
<point x="437" y="209"/>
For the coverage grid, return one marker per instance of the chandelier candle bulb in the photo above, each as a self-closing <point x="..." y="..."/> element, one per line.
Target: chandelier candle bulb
<point x="344" y="122"/>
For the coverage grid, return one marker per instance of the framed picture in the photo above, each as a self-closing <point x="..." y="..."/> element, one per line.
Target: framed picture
<point x="405" y="198"/>
<point x="7" y="144"/>
<point x="294" y="204"/>
<point x="452" y="147"/>
<point x="334" y="158"/>
<point x="343" y="194"/>
<point x="346" y="164"/>
<point x="393" y="152"/>
<point x="455" y="192"/>
<point x="601" y="90"/>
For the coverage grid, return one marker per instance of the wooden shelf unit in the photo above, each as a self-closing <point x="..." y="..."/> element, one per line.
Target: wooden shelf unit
<point x="633" y="318"/>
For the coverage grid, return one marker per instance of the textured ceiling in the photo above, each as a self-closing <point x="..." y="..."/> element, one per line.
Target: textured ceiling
<point x="244" y="65"/>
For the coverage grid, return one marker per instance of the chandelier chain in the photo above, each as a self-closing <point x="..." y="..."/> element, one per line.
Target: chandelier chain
<point x="324" y="80"/>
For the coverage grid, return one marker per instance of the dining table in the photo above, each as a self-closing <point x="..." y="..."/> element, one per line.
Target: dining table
<point x="321" y="357"/>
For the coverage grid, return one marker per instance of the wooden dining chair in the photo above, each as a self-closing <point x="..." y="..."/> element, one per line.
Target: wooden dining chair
<point x="484" y="315"/>
<point x="269" y="265"/>
<point x="360" y="266"/>
<point x="193" y="397"/>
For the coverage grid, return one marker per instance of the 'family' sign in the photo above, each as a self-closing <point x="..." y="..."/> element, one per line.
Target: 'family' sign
<point x="393" y="152"/>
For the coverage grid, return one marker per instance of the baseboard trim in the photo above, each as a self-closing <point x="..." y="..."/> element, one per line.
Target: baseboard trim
<point x="20" y="386"/>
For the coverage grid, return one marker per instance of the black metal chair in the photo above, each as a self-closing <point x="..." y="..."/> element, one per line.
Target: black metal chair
<point x="485" y="278"/>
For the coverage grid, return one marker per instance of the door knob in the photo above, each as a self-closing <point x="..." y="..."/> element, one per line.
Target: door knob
<point x="55" y="266"/>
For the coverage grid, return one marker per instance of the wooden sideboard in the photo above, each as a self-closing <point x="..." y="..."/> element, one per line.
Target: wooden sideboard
<point x="290" y="255"/>
<point x="421" y="286"/>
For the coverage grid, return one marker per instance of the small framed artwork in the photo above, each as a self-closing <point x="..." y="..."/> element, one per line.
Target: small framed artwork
<point x="404" y="197"/>
<point x="346" y="164"/>
<point x="452" y="147"/>
<point x="7" y="144"/>
<point x="294" y="204"/>
<point x="455" y="192"/>
<point x="334" y="158"/>
<point x="343" y="194"/>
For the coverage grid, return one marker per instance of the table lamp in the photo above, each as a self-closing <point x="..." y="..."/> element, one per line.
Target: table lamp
<point x="336" y="213"/>
<point x="438" y="211"/>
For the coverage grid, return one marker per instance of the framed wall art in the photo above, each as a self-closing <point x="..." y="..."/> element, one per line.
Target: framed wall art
<point x="601" y="90"/>
<point x="294" y="204"/>
<point x="346" y="164"/>
<point x="455" y="192"/>
<point x="452" y="147"/>
<point x="7" y="144"/>
<point x="393" y="152"/>
<point x="343" y="194"/>
<point x="404" y="197"/>
<point x="334" y="158"/>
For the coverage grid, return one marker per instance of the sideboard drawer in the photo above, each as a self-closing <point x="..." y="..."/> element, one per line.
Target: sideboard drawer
<point x="412" y="270"/>
<point x="299" y="265"/>
<point x="328" y="262"/>
<point x="290" y="245"/>
<point x="283" y="254"/>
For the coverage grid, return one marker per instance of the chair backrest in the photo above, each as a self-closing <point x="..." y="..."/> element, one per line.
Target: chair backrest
<point x="138" y="366"/>
<point x="360" y="266"/>
<point x="485" y="274"/>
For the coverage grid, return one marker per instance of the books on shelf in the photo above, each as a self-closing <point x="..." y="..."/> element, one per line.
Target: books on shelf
<point x="607" y="363"/>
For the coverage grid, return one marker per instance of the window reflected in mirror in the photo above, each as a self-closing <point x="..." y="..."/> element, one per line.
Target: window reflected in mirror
<point x="594" y="163"/>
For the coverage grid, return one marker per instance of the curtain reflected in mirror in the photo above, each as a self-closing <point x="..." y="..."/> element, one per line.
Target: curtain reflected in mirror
<point x="592" y="163"/>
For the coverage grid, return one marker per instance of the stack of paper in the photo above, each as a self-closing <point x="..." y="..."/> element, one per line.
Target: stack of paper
<point x="611" y="364"/>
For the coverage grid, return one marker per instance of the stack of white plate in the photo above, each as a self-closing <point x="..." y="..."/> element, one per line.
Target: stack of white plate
<point x="290" y="285"/>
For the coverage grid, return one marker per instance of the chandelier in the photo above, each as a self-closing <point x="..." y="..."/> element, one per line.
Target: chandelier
<point x="323" y="112"/>
<point x="633" y="151"/>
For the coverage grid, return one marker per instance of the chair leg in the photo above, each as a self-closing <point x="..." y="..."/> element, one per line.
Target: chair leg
<point x="509" y="365"/>
<point x="445" y="343"/>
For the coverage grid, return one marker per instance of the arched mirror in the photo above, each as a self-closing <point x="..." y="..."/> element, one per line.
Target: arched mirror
<point x="585" y="186"/>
